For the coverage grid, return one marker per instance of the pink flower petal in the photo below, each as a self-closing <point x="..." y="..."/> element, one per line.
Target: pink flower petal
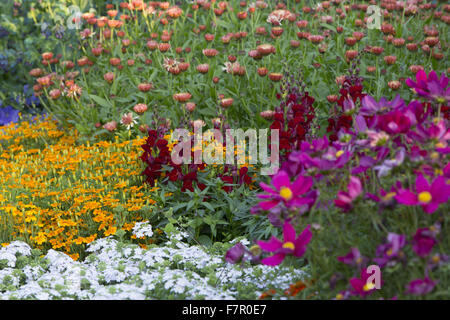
<point x="288" y="232"/>
<point x="302" y="185"/>
<point x="266" y="188"/>
<point x="281" y="179"/>
<point x="272" y="245"/>
<point x="440" y="190"/>
<point x="354" y="187"/>
<point x="267" y="205"/>
<point x="273" y="260"/>
<point x="422" y="184"/>
<point x="430" y="207"/>
<point x="304" y="238"/>
<point x="406" y="197"/>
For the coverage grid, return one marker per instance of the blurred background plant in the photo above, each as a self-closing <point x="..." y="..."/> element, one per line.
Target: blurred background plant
<point x="28" y="28"/>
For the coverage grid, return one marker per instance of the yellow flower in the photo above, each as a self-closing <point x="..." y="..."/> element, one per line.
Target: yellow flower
<point x="111" y="231"/>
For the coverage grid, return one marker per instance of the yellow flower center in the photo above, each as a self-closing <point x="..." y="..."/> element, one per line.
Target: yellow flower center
<point x="339" y="153"/>
<point x="368" y="286"/>
<point x="425" y="197"/>
<point x="339" y="296"/>
<point x="255" y="250"/>
<point x="288" y="245"/>
<point x="440" y="145"/>
<point x="389" y="196"/>
<point x="389" y="252"/>
<point x="286" y="193"/>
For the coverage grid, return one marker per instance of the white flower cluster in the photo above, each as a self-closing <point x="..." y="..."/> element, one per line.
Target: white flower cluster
<point x="115" y="270"/>
<point x="142" y="229"/>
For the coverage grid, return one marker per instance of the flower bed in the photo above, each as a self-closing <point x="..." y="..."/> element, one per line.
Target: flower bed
<point x="356" y="95"/>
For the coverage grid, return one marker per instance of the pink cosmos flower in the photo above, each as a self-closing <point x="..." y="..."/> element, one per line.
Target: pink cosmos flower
<point x="352" y="258"/>
<point x="361" y="286"/>
<point x="420" y="286"/>
<point x="290" y="245"/>
<point x="389" y="252"/>
<point x="426" y="195"/>
<point x="285" y="192"/>
<point x="423" y="242"/>
<point x="431" y="86"/>
<point x="345" y="199"/>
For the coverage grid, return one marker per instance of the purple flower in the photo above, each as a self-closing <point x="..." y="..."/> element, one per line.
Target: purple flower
<point x="235" y="253"/>
<point x="370" y="107"/>
<point x="7" y="115"/>
<point x="365" y="162"/>
<point x="428" y="196"/>
<point x="349" y="106"/>
<point x="361" y="286"/>
<point x="388" y="165"/>
<point x="286" y="192"/>
<point x="352" y="258"/>
<point x="394" y="122"/>
<point x="423" y="242"/>
<point x="432" y="87"/>
<point x="420" y="286"/>
<point x="437" y="133"/>
<point x="390" y="250"/>
<point x="345" y="199"/>
<point x="290" y="245"/>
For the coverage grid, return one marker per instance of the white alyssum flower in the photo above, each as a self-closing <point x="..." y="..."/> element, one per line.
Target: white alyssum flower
<point x="142" y="229"/>
<point x="114" y="270"/>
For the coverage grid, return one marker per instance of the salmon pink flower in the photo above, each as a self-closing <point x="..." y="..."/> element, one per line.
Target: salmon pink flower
<point x="55" y="94"/>
<point x="426" y="195"/>
<point x="110" y="126"/>
<point x="128" y="120"/>
<point x="290" y="245"/>
<point x="203" y="68"/>
<point x="145" y="87"/>
<point x="140" y="108"/>
<point x="285" y="192"/>
<point x="182" y="97"/>
<point x="210" y="52"/>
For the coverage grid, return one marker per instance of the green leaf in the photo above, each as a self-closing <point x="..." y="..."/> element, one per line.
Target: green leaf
<point x="102" y="102"/>
<point x="208" y="206"/>
<point x="205" y="240"/>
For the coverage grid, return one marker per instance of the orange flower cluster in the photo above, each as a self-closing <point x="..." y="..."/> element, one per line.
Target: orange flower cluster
<point x="57" y="194"/>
